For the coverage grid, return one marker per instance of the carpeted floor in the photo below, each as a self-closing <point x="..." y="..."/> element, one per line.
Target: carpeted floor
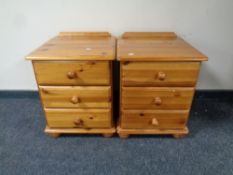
<point x="25" y="149"/>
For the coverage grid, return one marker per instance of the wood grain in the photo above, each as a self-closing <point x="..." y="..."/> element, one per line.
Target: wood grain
<point x="85" y="96"/>
<point x="58" y="131"/>
<point x="85" y="34"/>
<point x="143" y="119"/>
<point x="90" y="118"/>
<point x="145" y="98"/>
<point x="124" y="133"/>
<point x="76" y="46"/>
<point x="147" y="73"/>
<point x="86" y="72"/>
<point x="158" y="75"/>
<point x="144" y="47"/>
<point x="149" y="35"/>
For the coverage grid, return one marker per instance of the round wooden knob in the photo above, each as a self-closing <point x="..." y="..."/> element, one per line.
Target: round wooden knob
<point x="78" y="122"/>
<point x="158" y="101"/>
<point x="75" y="100"/>
<point x="154" y="122"/>
<point x="161" y="76"/>
<point x="71" y="75"/>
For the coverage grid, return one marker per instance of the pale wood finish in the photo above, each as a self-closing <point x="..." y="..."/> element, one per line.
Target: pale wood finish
<point x="148" y="98"/>
<point x="124" y="133"/>
<point x="179" y="136"/>
<point x="106" y="132"/>
<point x="160" y="73"/>
<point x="74" y="77"/>
<point x="85" y="34"/>
<point x="77" y="46"/>
<point x="156" y="47"/>
<point x="54" y="135"/>
<point x="149" y="35"/>
<point x="76" y="96"/>
<point x="72" y="72"/>
<point x="78" y="118"/>
<point x="154" y="119"/>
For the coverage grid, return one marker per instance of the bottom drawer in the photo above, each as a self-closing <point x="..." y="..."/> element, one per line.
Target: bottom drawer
<point x="78" y="118"/>
<point x="148" y="119"/>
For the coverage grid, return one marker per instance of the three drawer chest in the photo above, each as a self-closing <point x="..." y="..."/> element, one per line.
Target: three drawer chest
<point x="158" y="75"/>
<point x="74" y="77"/>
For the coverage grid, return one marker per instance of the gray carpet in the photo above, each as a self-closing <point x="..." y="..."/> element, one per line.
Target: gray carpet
<point x="25" y="149"/>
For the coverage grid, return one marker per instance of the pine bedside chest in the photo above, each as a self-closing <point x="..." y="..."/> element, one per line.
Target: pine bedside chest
<point x="158" y="74"/>
<point x="74" y="77"/>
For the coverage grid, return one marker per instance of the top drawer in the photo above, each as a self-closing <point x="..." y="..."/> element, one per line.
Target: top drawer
<point x="72" y="72"/>
<point x="159" y="73"/>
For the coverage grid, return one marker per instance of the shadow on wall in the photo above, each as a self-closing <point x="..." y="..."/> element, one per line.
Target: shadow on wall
<point x="208" y="77"/>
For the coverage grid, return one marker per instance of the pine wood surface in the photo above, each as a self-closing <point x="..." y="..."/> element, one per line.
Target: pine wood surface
<point x="76" y="96"/>
<point x="156" y="98"/>
<point x="77" y="46"/>
<point x="154" y="119"/>
<point x="78" y="118"/>
<point x="153" y="46"/>
<point x="177" y="133"/>
<point x="56" y="132"/>
<point x="160" y="73"/>
<point x="74" y="78"/>
<point x="72" y="72"/>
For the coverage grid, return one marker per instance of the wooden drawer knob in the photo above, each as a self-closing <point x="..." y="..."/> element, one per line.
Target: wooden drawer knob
<point x="71" y="75"/>
<point x="154" y="122"/>
<point x="78" y="122"/>
<point x="161" y="76"/>
<point x="75" y="100"/>
<point x="158" y="101"/>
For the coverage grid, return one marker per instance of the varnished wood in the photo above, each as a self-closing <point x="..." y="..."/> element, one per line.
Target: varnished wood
<point x="160" y="73"/>
<point x="179" y="136"/>
<point x="73" y="73"/>
<point x="54" y="135"/>
<point x="149" y="35"/>
<point x="88" y="118"/>
<point x="59" y="131"/>
<point x="108" y="135"/>
<point x="145" y="47"/>
<point x="156" y="98"/>
<point x="85" y="34"/>
<point x="153" y="119"/>
<point x="125" y="133"/>
<point x="84" y="72"/>
<point x="76" y="96"/>
<point x="77" y="46"/>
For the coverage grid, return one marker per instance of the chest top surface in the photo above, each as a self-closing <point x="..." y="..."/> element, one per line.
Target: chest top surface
<point x="156" y="46"/>
<point x="76" y="46"/>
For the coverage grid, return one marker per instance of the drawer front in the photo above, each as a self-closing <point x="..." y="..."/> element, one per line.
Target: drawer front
<point x="78" y="118"/>
<point x="156" y="98"/>
<point x="159" y="74"/>
<point x="72" y="72"/>
<point x="76" y="96"/>
<point x="149" y="119"/>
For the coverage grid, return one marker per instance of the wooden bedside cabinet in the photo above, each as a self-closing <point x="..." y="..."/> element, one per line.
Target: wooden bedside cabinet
<point x="158" y="74"/>
<point x="74" y="77"/>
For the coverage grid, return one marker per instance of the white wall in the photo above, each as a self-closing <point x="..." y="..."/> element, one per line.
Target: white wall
<point x="26" y="24"/>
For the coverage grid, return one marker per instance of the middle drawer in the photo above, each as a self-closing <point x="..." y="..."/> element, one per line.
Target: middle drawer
<point x="156" y="98"/>
<point x="76" y="96"/>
